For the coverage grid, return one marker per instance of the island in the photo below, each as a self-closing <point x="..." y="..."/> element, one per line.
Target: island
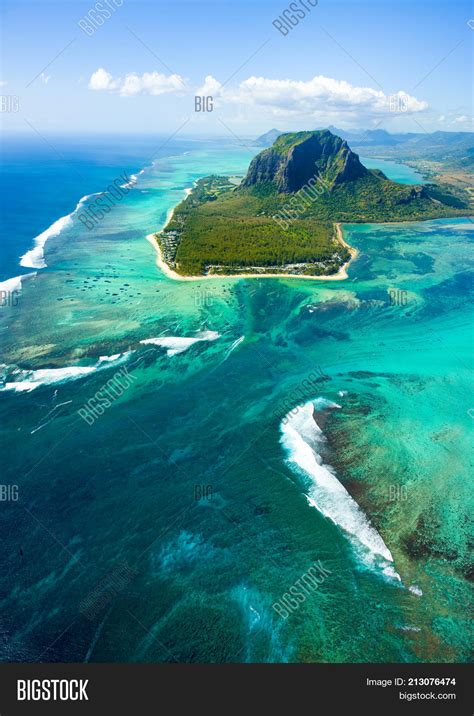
<point x="283" y="218"/>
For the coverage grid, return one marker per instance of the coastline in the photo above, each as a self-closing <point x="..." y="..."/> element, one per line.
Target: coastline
<point x="341" y="275"/>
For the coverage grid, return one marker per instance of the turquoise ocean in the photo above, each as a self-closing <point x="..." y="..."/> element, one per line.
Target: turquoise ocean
<point x="266" y="428"/>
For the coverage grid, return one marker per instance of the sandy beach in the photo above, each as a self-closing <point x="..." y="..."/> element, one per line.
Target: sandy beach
<point x="341" y="275"/>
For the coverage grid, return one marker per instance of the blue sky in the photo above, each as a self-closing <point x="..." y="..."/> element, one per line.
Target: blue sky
<point x="139" y="71"/>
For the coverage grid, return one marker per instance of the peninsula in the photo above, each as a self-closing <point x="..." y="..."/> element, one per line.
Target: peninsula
<point x="283" y="218"/>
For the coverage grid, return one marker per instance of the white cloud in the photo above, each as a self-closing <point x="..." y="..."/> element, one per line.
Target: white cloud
<point x="151" y="83"/>
<point x="210" y="88"/>
<point x="315" y="98"/>
<point x="100" y="80"/>
<point x="45" y="78"/>
<point x="320" y="100"/>
<point x="462" y="119"/>
<point x="3" y="83"/>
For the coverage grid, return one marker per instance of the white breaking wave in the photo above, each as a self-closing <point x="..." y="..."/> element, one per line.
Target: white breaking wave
<point x="133" y="180"/>
<point x="108" y="359"/>
<point x="177" y="344"/>
<point x="26" y="380"/>
<point x="34" y="258"/>
<point x="11" y="285"/>
<point x="302" y="438"/>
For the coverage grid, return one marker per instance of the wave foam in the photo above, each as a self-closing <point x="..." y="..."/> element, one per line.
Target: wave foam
<point x="177" y="344"/>
<point x="34" y="258"/>
<point x="26" y="380"/>
<point x="133" y="180"/>
<point x="302" y="438"/>
<point x="13" y="284"/>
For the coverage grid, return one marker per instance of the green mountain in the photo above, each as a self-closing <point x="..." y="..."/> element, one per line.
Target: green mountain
<point x="280" y="218"/>
<point x="295" y="158"/>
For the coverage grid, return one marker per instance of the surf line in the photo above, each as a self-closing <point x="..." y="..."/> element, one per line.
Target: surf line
<point x="302" y="439"/>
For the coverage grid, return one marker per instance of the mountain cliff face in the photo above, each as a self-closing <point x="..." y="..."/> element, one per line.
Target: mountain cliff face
<point x="295" y="158"/>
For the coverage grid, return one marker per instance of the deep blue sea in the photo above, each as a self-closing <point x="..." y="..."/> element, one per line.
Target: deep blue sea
<point x="43" y="179"/>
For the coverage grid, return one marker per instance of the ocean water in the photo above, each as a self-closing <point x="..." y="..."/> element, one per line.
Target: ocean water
<point x="263" y="428"/>
<point x="401" y="173"/>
